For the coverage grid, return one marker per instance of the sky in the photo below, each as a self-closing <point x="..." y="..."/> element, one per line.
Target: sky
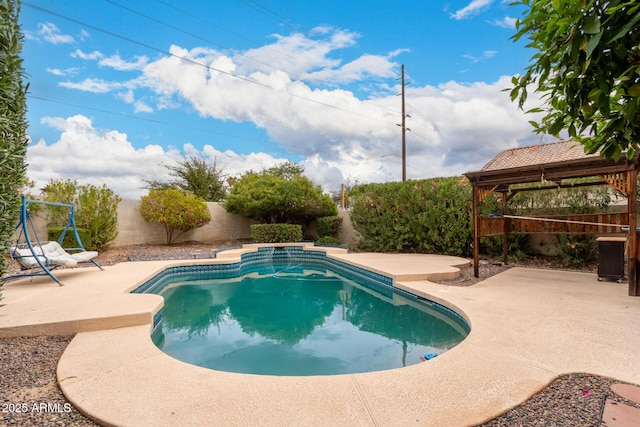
<point x="120" y="90"/>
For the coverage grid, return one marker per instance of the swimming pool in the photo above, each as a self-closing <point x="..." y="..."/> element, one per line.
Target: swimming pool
<point x="296" y="312"/>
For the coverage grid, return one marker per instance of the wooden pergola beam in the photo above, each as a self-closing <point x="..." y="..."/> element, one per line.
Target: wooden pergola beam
<point x="632" y="207"/>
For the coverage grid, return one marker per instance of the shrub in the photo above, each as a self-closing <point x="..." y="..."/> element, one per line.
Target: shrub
<point x="69" y="241"/>
<point x="279" y="195"/>
<point x="175" y="210"/>
<point x="96" y="210"/>
<point x="13" y="125"/>
<point x="276" y="233"/>
<point x="328" y="240"/>
<point x="577" y="250"/>
<point x="517" y="246"/>
<point x="329" y="226"/>
<point x="427" y="216"/>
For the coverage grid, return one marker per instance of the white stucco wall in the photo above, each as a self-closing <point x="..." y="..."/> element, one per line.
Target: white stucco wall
<point x="133" y="230"/>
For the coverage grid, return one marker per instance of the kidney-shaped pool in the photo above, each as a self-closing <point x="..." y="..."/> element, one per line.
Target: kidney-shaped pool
<point x="294" y="312"/>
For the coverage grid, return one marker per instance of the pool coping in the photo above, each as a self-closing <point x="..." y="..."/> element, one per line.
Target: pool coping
<point x="527" y="328"/>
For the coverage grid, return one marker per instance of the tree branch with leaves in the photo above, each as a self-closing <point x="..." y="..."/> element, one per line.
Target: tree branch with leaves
<point x="195" y="176"/>
<point x="587" y="68"/>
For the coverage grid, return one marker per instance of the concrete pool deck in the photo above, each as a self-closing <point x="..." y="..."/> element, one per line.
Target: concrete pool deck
<point x="528" y="327"/>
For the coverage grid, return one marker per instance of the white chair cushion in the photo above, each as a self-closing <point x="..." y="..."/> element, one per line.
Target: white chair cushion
<point x="84" y="256"/>
<point x="50" y="252"/>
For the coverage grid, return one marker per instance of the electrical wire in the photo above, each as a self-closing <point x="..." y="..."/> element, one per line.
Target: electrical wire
<point x="192" y="61"/>
<point x="241" y="36"/>
<point x="100" y="110"/>
<point x="173" y="27"/>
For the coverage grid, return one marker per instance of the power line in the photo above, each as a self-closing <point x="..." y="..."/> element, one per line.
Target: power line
<point x="241" y="36"/>
<point x="100" y="110"/>
<point x="189" y="60"/>
<point x="266" y="11"/>
<point x="180" y="30"/>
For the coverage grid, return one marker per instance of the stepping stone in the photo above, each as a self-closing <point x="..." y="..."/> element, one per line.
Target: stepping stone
<point x="617" y="414"/>
<point x="627" y="391"/>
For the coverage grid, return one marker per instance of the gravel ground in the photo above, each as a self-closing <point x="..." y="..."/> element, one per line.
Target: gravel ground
<point x="29" y="392"/>
<point x="30" y="396"/>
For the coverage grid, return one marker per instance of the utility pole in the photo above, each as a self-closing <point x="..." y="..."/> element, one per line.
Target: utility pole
<point x="404" y="131"/>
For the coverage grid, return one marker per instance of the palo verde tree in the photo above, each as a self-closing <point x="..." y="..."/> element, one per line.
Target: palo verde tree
<point x="175" y="210"/>
<point x="195" y="175"/>
<point x="587" y="68"/>
<point x="13" y="124"/>
<point x="279" y="195"/>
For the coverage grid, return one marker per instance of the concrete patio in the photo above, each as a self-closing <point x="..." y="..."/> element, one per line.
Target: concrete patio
<point x="527" y="328"/>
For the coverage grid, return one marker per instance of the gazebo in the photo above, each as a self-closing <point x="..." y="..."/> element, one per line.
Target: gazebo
<point x="550" y="165"/>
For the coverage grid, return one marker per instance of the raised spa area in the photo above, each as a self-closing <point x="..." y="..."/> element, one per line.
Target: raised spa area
<point x="268" y="335"/>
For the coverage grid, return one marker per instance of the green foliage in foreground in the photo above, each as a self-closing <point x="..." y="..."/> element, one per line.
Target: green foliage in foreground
<point x="276" y="233"/>
<point x="96" y="210"/>
<point x="175" y="210"/>
<point x="13" y="125"/>
<point x="586" y="68"/>
<point x="426" y="216"/>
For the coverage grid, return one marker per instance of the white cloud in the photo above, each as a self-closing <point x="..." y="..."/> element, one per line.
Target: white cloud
<point x="92" y="156"/>
<point x="141" y="107"/>
<point x="454" y="127"/>
<point x="360" y="68"/>
<point x="93" y="85"/>
<point x="61" y="73"/>
<point x="51" y="33"/>
<point x="298" y="55"/>
<point x="471" y="9"/>
<point x="92" y="56"/>
<point x="96" y="157"/>
<point x="127" y="96"/>
<point x="506" y="22"/>
<point x="487" y="54"/>
<point x="234" y="164"/>
<point x="117" y="63"/>
<point x="84" y="35"/>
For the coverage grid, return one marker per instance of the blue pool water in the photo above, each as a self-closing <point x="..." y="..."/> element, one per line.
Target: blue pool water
<point x="298" y="316"/>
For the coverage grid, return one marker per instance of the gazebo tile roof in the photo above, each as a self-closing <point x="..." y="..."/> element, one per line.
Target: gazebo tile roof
<point x="556" y="152"/>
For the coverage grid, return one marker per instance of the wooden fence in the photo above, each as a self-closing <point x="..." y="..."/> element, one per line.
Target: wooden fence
<point x="601" y="223"/>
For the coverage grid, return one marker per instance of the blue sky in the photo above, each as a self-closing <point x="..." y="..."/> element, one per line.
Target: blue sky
<point x="118" y="89"/>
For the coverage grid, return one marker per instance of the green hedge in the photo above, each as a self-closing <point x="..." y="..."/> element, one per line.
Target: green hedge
<point x="276" y="233"/>
<point x="328" y="240"/>
<point x="53" y="234"/>
<point x="329" y="226"/>
<point x="426" y="216"/>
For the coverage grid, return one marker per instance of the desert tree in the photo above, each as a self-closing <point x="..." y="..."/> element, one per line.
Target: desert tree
<point x="195" y="175"/>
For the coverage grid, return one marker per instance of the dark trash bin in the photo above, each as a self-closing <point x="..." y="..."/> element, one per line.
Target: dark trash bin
<point x="611" y="258"/>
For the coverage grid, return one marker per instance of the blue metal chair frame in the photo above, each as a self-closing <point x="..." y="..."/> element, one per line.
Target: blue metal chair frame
<point x="23" y="225"/>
